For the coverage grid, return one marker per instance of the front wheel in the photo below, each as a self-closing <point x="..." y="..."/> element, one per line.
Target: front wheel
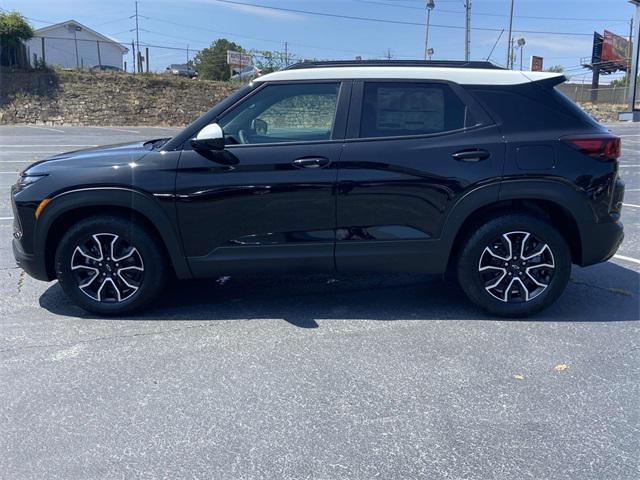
<point x="110" y="265"/>
<point x="514" y="265"/>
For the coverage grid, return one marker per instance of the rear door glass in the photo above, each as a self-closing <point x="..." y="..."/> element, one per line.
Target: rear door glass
<point x="400" y="109"/>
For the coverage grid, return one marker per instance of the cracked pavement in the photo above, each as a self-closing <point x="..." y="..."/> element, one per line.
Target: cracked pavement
<point x="321" y="377"/>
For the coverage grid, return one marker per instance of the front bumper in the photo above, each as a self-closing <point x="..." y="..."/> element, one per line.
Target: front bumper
<point x="33" y="264"/>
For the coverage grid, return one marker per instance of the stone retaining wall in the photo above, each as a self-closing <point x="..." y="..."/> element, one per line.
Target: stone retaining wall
<point x="87" y="98"/>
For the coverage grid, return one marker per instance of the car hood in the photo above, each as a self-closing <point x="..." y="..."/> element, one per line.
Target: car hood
<point x="103" y="156"/>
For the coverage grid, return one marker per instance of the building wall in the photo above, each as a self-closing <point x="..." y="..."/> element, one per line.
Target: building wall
<point x="60" y="49"/>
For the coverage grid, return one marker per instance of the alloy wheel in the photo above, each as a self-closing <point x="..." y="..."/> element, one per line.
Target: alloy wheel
<point x="107" y="268"/>
<point x="516" y="267"/>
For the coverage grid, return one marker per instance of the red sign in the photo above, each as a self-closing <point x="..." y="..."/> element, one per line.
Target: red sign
<point x="615" y="49"/>
<point x="536" y="63"/>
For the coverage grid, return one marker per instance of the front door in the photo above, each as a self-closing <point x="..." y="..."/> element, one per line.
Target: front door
<point x="267" y="201"/>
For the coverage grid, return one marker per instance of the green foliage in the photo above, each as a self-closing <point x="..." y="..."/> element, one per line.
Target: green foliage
<point x="555" y="69"/>
<point x="14" y="30"/>
<point x="623" y="82"/>
<point x="211" y="62"/>
<point x="268" y="61"/>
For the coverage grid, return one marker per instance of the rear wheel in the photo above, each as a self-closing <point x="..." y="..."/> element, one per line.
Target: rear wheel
<point x="109" y="265"/>
<point x="514" y="265"/>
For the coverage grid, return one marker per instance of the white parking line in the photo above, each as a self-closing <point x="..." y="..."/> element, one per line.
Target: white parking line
<point x="46" y="128"/>
<point x="629" y="166"/>
<point x="627" y="259"/>
<point x="6" y="218"/>
<point x="49" y="145"/>
<point x="630" y="205"/>
<point x="116" y="129"/>
<point x="18" y="161"/>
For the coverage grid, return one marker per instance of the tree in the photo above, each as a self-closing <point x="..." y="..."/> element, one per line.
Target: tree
<point x="555" y="69"/>
<point x="14" y="30"/>
<point x="268" y="61"/>
<point x="623" y="81"/>
<point x="211" y="62"/>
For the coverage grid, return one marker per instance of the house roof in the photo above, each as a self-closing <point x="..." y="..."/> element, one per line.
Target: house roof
<point x="41" y="32"/>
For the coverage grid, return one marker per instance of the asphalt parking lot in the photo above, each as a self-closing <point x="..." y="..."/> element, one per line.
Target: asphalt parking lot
<point x="317" y="377"/>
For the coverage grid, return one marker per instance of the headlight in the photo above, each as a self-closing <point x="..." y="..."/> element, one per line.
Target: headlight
<point x="25" y="180"/>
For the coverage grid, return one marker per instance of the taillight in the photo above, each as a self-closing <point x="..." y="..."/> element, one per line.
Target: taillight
<point x="603" y="147"/>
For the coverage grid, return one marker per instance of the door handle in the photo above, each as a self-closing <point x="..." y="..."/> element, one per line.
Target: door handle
<point x="474" y="155"/>
<point x="311" y="162"/>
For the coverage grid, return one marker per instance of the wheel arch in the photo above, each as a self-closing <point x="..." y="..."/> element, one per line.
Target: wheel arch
<point x="557" y="203"/>
<point x="70" y="207"/>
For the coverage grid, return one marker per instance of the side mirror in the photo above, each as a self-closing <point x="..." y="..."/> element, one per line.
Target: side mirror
<point x="210" y="137"/>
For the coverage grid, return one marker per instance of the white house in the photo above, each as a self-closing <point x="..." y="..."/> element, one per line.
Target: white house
<point x="72" y="45"/>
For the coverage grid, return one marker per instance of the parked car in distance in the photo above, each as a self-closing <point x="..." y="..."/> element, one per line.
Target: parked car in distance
<point x="106" y="68"/>
<point x="247" y="73"/>
<point x="390" y="166"/>
<point x="182" y="70"/>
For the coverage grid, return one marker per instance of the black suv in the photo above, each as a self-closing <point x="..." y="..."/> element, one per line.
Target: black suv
<point x="348" y="167"/>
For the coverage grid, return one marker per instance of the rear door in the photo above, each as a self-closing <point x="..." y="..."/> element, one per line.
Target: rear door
<point x="413" y="149"/>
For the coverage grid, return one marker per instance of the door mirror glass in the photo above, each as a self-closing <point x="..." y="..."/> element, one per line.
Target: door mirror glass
<point x="210" y="137"/>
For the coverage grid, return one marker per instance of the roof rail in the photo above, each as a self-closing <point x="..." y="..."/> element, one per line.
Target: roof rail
<point x="395" y="63"/>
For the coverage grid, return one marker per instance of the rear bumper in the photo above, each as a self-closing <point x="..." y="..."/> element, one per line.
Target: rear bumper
<point x="34" y="265"/>
<point x="600" y="241"/>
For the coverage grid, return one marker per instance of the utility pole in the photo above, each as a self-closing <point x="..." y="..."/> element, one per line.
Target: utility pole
<point x="521" y="44"/>
<point x="630" y="53"/>
<point x="187" y="53"/>
<point x="388" y="54"/>
<point x="75" y="38"/>
<point x="430" y="6"/>
<point x="467" y="30"/>
<point x="137" y="39"/>
<point x="133" y="52"/>
<point x="286" y="54"/>
<point x="509" y="37"/>
<point x="635" y="60"/>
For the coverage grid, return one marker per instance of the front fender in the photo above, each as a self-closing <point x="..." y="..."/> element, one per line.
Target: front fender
<point x="105" y="197"/>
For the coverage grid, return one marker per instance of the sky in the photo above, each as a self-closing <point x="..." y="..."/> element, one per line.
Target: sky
<point x="561" y="31"/>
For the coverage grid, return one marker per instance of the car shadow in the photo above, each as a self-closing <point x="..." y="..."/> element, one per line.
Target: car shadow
<point x="606" y="292"/>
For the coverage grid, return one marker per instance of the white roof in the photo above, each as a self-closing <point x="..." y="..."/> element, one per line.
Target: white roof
<point x="41" y="32"/>
<point x="464" y="76"/>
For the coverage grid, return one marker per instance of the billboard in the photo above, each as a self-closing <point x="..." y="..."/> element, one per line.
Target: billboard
<point x="615" y="49"/>
<point x="238" y="59"/>
<point x="536" y="63"/>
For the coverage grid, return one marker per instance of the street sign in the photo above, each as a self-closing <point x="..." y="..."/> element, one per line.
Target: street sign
<point x="536" y="63"/>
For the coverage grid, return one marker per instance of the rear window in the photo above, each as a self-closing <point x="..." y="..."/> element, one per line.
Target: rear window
<point x="532" y="108"/>
<point x="400" y="109"/>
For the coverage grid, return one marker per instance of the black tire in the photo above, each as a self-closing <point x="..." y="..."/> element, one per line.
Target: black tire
<point x="519" y="292"/>
<point x="130" y="280"/>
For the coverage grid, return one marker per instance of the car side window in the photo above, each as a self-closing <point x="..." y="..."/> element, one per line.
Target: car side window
<point x="404" y="108"/>
<point x="283" y="113"/>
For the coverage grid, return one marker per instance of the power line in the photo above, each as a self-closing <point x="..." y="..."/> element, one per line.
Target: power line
<point x="383" y="20"/>
<point x="533" y="17"/>
<point x="271" y="40"/>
